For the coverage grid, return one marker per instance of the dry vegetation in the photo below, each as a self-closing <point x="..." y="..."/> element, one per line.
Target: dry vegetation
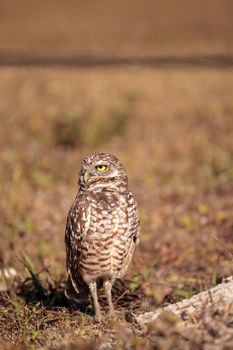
<point x="173" y="131"/>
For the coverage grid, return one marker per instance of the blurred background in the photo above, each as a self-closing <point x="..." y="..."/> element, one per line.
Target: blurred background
<point x="116" y="28"/>
<point x="152" y="83"/>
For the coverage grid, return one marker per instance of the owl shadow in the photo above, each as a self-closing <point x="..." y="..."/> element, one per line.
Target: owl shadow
<point x="47" y="292"/>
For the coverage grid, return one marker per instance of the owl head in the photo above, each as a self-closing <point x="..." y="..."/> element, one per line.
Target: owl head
<point x="102" y="169"/>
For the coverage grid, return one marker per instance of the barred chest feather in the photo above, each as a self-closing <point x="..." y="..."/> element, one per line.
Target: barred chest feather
<point x="111" y="218"/>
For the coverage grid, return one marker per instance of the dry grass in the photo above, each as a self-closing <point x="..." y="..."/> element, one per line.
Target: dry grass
<point x="173" y="132"/>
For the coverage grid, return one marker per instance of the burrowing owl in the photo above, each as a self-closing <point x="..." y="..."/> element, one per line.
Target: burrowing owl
<point x="102" y="229"/>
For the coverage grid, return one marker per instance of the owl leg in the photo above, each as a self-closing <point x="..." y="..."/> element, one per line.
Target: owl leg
<point x="108" y="292"/>
<point x="93" y="290"/>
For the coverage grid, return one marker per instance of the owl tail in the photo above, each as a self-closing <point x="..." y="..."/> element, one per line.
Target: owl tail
<point x="76" y="291"/>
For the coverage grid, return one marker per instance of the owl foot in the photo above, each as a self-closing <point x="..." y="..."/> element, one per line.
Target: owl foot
<point x="98" y="317"/>
<point x="111" y="312"/>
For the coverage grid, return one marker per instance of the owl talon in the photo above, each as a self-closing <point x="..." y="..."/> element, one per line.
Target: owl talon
<point x="98" y="317"/>
<point x="111" y="313"/>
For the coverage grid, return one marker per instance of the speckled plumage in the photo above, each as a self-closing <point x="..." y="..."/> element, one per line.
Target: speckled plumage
<point x="102" y="228"/>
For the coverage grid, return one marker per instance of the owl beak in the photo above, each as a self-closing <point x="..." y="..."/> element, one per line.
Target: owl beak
<point x="86" y="176"/>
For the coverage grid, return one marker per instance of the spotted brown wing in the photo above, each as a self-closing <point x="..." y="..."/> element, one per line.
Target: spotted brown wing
<point x="134" y="233"/>
<point x="78" y="221"/>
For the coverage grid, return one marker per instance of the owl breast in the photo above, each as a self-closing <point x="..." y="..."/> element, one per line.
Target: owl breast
<point x="108" y="237"/>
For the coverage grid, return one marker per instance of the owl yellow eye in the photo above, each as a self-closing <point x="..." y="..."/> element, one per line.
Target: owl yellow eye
<point x="101" y="167"/>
